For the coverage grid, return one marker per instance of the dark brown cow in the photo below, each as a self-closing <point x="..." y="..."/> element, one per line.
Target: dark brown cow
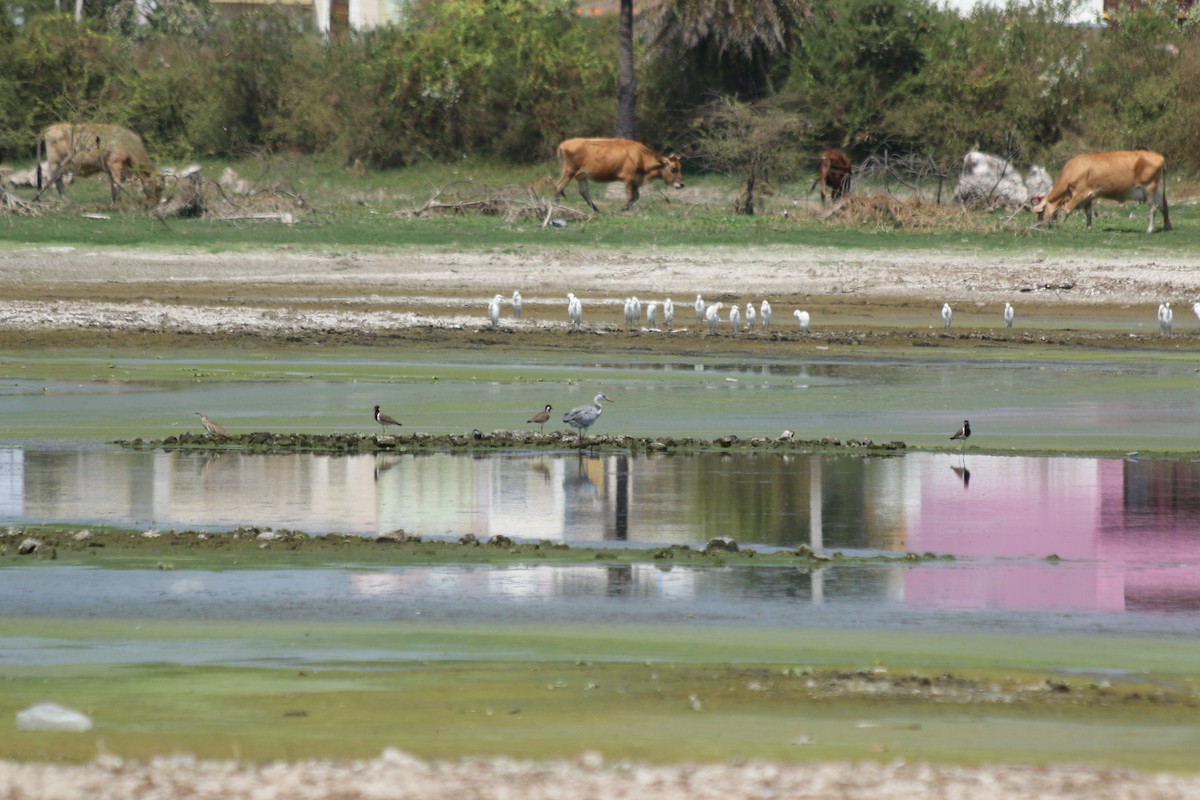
<point x="94" y="148"/>
<point x="1120" y="175"/>
<point x="834" y="175"/>
<point x="608" y="160"/>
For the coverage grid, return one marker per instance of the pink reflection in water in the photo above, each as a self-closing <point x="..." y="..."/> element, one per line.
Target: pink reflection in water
<point x="1127" y="534"/>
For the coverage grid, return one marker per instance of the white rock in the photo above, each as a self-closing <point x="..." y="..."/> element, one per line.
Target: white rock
<point x="52" y="717"/>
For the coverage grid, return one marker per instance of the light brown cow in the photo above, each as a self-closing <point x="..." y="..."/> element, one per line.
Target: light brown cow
<point x="833" y="174"/>
<point x="1120" y="175"/>
<point x="94" y="148"/>
<point x="608" y="160"/>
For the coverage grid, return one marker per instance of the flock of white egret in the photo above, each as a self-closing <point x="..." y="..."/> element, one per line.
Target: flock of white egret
<point x="709" y="314"/>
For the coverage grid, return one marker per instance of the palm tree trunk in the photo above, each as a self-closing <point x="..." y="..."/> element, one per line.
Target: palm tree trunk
<point x="626" y="82"/>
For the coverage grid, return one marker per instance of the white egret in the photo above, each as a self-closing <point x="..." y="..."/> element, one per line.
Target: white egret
<point x="635" y="309"/>
<point x="583" y="417"/>
<point x="1196" y="309"/>
<point x="541" y="417"/>
<point x="384" y="420"/>
<point x="749" y="316"/>
<point x="735" y="320"/>
<point x="947" y="313"/>
<point x="628" y="313"/>
<point x="516" y="303"/>
<point x="668" y="314"/>
<point x="494" y="311"/>
<point x="1008" y="315"/>
<point x="652" y="315"/>
<point x="700" y="309"/>
<point x="802" y="318"/>
<point x="1165" y="316"/>
<point x="713" y="315"/>
<point x="574" y="310"/>
<point x="765" y="314"/>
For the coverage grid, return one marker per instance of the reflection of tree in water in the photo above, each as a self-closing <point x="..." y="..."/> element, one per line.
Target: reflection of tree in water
<point x="778" y="499"/>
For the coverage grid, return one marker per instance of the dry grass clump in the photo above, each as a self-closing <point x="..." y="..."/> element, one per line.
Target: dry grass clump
<point x="911" y="214"/>
<point x="191" y="194"/>
<point x="514" y="202"/>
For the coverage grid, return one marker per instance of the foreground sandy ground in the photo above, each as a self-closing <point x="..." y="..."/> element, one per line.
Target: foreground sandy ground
<point x="398" y="776"/>
<point x="64" y="295"/>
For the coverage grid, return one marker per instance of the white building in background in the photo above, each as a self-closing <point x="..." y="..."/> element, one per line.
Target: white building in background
<point x="327" y="15"/>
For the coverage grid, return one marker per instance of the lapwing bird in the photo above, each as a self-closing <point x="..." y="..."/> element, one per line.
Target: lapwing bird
<point x="803" y="318"/>
<point x="584" y="417"/>
<point x="764" y="313"/>
<point x="1008" y="315"/>
<point x="947" y="314"/>
<point x="541" y="417"/>
<point x="963" y="434"/>
<point x="210" y="426"/>
<point x="384" y="420"/>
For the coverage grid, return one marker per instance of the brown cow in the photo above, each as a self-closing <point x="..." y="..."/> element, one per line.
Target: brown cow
<point x="834" y="175"/>
<point x="1121" y="175"/>
<point x="610" y="160"/>
<point x="94" y="148"/>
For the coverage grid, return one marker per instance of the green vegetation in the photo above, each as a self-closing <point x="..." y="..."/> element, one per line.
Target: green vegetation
<point x="507" y="80"/>
<point x="667" y="693"/>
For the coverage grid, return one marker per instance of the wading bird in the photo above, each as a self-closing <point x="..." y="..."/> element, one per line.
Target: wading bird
<point x="735" y="320"/>
<point x="574" y="310"/>
<point x="541" y="418"/>
<point x="963" y="434"/>
<point x="1008" y="315"/>
<point x="585" y="416"/>
<point x="210" y="426"/>
<point x="750" y="316"/>
<point x="803" y="318"/>
<point x="652" y="315"/>
<point x="669" y="313"/>
<point x="699" y="309"/>
<point x="713" y="315"/>
<point x="765" y="314"/>
<point x="384" y="420"/>
<point x="1165" y="316"/>
<point x="494" y="311"/>
<point x="517" y="304"/>
<point x="947" y="313"/>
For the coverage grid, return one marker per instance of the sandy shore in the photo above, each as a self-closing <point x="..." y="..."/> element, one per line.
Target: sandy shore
<point x="399" y="776"/>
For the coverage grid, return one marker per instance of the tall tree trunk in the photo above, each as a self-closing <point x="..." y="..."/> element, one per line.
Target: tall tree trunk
<point x="78" y="10"/>
<point x="626" y="82"/>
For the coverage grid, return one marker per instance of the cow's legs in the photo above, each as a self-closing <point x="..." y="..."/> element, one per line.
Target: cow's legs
<point x="631" y="195"/>
<point x="1160" y="198"/>
<point x="583" y="192"/>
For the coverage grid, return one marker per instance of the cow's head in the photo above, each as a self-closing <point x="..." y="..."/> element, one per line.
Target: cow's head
<point x="672" y="170"/>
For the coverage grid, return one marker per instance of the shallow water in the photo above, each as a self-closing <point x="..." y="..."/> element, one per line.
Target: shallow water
<point x="1028" y="533"/>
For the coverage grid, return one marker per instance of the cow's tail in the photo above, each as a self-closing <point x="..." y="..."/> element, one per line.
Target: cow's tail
<point x="40" y="142"/>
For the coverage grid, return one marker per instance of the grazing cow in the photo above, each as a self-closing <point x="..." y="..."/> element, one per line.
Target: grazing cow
<point x="833" y="173"/>
<point x="94" y="148"/>
<point x="608" y="160"/>
<point x="1139" y="175"/>
<point x="989" y="181"/>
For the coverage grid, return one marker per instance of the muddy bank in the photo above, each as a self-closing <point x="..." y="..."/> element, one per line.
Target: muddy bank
<point x="263" y="442"/>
